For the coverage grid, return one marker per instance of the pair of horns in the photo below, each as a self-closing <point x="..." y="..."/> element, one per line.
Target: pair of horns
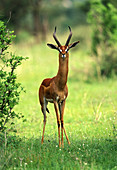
<point x="68" y="40"/>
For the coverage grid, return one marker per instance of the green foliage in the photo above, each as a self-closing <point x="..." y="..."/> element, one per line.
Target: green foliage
<point x="38" y="17"/>
<point x="90" y="122"/>
<point x="87" y="153"/>
<point x="9" y="88"/>
<point x="104" y="36"/>
<point x="90" y="118"/>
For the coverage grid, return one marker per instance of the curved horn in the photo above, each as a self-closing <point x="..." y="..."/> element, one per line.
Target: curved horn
<point x="56" y="38"/>
<point x="68" y="40"/>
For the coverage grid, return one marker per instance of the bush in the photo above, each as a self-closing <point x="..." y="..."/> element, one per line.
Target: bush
<point x="103" y="20"/>
<point x="9" y="89"/>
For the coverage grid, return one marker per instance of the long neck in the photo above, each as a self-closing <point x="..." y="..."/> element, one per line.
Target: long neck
<point x="61" y="78"/>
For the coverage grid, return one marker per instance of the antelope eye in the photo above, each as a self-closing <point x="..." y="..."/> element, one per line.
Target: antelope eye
<point x="66" y="50"/>
<point x="60" y="50"/>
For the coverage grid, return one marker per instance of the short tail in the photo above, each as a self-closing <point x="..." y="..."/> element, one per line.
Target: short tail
<point x="47" y="110"/>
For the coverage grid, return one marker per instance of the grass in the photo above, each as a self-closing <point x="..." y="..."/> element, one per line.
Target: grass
<point x="90" y="117"/>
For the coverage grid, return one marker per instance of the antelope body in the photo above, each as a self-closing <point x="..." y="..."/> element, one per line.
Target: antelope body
<point x="55" y="89"/>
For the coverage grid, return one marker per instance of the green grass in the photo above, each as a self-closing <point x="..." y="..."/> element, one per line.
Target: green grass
<point x="90" y="117"/>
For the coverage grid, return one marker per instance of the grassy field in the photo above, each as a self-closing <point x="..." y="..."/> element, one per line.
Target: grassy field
<point x="90" y="117"/>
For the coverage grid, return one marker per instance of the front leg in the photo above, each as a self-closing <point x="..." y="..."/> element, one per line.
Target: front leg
<point x="58" y="121"/>
<point x="61" y="109"/>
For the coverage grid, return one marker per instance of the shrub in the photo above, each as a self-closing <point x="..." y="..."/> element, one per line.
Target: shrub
<point x="103" y="19"/>
<point x="9" y="89"/>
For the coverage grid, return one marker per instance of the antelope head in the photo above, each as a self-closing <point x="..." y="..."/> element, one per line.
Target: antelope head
<point x="63" y="49"/>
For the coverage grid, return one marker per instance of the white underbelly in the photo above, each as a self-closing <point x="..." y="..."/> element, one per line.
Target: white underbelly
<point x="49" y="100"/>
<point x="58" y="99"/>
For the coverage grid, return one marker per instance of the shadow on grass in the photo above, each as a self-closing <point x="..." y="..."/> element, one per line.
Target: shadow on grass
<point x="17" y="153"/>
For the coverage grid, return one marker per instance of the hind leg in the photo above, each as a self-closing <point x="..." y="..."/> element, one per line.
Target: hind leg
<point x="43" y="108"/>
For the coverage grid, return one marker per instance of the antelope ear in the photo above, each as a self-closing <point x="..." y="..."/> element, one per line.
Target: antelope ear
<point x="52" y="46"/>
<point x="73" y="44"/>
